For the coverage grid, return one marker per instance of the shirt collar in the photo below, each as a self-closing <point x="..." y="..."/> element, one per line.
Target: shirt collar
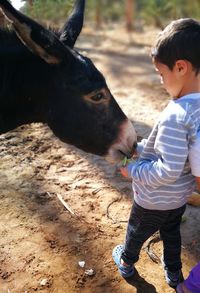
<point x="190" y="96"/>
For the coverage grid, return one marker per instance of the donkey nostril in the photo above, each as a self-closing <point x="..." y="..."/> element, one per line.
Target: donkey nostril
<point x="135" y="145"/>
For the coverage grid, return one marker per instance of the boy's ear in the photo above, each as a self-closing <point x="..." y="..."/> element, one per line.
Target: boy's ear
<point x="181" y="66"/>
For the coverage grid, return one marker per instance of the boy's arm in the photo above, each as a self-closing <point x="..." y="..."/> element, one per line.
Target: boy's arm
<point x="124" y="168"/>
<point x="172" y="149"/>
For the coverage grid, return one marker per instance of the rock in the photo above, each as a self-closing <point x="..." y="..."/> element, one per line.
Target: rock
<point x="90" y="272"/>
<point x="81" y="263"/>
<point x="44" y="282"/>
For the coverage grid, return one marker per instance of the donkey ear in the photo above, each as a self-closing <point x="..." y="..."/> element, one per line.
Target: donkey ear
<point x="73" y="26"/>
<point x="39" y="40"/>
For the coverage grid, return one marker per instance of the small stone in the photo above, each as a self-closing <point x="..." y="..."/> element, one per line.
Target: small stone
<point x="44" y="282"/>
<point x="81" y="263"/>
<point x="90" y="272"/>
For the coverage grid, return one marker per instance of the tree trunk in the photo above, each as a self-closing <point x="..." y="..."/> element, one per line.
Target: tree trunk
<point x="30" y="2"/>
<point x="129" y="14"/>
<point x="98" y="16"/>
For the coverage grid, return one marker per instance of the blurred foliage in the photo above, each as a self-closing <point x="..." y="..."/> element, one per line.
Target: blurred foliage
<point x="48" y="10"/>
<point x="111" y="10"/>
<point x="56" y="10"/>
<point x="156" y="12"/>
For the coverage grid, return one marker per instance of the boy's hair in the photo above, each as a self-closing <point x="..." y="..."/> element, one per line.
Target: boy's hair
<point x="180" y="40"/>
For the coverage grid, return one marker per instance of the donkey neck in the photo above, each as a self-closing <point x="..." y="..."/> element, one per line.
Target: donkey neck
<point x="15" y="111"/>
<point x="23" y="93"/>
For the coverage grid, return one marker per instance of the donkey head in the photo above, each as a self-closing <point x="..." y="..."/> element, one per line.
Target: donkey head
<point x="80" y="108"/>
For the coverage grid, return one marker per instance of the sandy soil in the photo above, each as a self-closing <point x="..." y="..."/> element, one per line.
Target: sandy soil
<point x="41" y="242"/>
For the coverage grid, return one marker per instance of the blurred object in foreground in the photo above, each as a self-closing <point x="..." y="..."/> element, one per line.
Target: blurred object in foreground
<point x="194" y="199"/>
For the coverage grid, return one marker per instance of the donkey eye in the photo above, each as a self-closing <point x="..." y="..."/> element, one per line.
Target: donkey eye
<point x="98" y="97"/>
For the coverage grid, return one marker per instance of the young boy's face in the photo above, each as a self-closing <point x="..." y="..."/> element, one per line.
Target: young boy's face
<point x="171" y="79"/>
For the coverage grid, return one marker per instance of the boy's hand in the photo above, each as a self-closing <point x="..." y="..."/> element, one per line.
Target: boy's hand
<point x="124" y="172"/>
<point x="124" y="163"/>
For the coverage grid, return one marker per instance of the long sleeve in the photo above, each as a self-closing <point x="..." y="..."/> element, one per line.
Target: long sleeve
<point x="171" y="147"/>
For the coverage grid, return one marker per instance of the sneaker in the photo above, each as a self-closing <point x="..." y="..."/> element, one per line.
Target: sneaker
<point x="172" y="278"/>
<point x="125" y="271"/>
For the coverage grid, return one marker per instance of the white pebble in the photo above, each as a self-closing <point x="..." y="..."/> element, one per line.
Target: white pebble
<point x="90" y="272"/>
<point x="44" y="282"/>
<point x="81" y="263"/>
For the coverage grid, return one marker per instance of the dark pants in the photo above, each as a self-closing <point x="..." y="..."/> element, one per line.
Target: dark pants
<point x="144" y="223"/>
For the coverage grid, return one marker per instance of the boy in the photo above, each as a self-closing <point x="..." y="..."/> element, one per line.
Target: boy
<point x="162" y="178"/>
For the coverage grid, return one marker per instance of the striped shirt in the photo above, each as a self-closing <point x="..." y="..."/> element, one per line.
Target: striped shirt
<point x="194" y="156"/>
<point x="162" y="178"/>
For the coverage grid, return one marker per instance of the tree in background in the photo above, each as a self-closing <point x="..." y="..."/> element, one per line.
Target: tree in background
<point x="98" y="13"/>
<point x="112" y="11"/>
<point x="156" y="12"/>
<point x="185" y="8"/>
<point x="54" y="11"/>
<point x="129" y="14"/>
<point x="104" y="11"/>
<point x="30" y="2"/>
<point x="160" y="12"/>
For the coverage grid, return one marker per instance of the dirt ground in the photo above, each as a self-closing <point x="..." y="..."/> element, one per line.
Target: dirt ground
<point x="42" y="243"/>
